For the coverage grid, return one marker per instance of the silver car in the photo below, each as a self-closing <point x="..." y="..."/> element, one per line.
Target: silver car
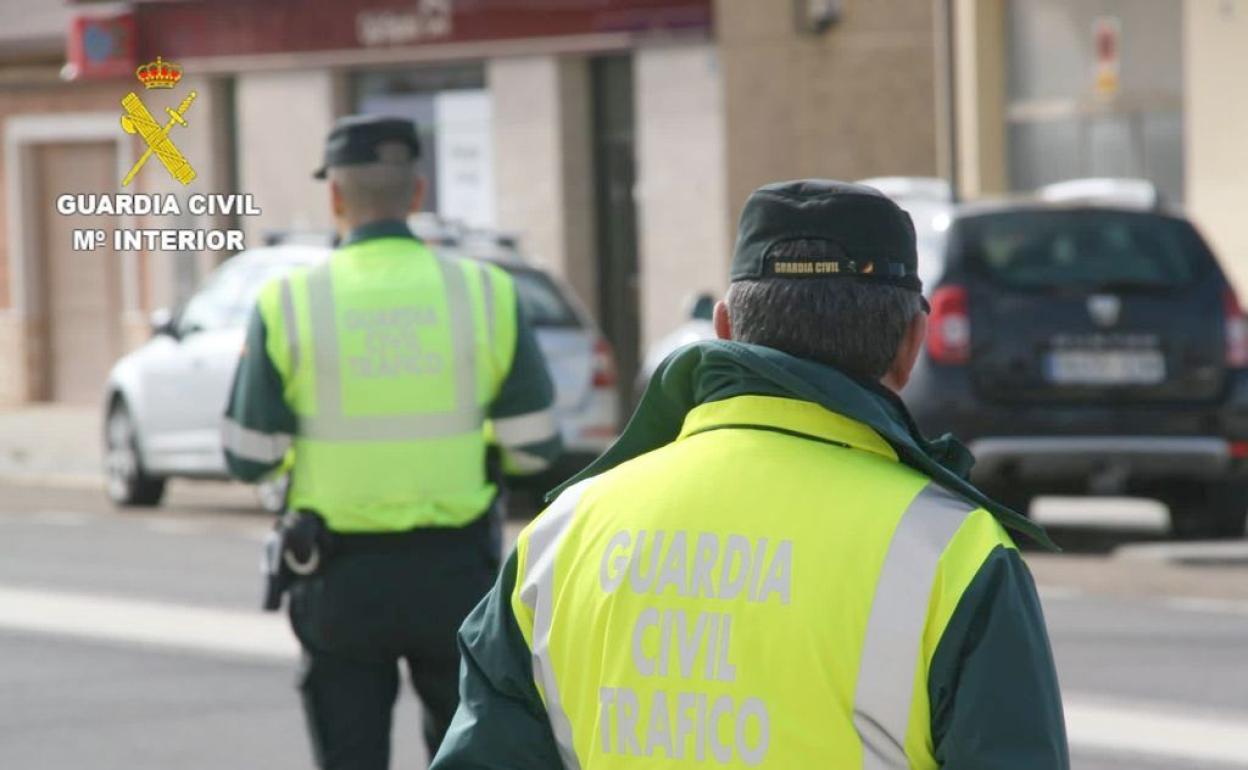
<point x="164" y="401"/>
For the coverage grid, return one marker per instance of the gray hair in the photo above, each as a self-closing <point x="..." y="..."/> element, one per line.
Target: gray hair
<point x="375" y="191"/>
<point x="853" y="324"/>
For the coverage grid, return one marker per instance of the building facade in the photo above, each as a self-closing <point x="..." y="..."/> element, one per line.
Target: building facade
<point x="1047" y="90"/>
<point x="617" y="138"/>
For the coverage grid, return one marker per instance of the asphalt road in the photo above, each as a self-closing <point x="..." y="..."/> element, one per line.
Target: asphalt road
<point x="132" y="640"/>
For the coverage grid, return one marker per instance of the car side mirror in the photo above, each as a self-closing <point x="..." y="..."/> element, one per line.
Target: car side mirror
<point x="161" y="322"/>
<point x="702" y="307"/>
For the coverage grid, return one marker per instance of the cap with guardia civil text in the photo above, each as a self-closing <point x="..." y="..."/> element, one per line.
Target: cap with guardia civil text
<point x="834" y="229"/>
<point x="369" y="139"/>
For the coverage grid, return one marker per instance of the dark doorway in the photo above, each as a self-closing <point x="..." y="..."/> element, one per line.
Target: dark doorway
<point x="615" y="175"/>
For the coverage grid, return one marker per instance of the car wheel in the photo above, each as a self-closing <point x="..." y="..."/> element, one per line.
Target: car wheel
<point x="127" y="484"/>
<point x="1207" y="510"/>
<point x="271" y="493"/>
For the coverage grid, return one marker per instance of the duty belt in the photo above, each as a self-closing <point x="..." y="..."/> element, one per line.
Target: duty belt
<point x="301" y="544"/>
<point x="420" y="537"/>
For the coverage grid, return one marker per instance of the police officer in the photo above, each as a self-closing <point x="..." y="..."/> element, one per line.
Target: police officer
<point x="771" y="567"/>
<point x="384" y="370"/>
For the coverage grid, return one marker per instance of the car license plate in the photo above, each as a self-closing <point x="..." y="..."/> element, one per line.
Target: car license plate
<point x="1105" y="367"/>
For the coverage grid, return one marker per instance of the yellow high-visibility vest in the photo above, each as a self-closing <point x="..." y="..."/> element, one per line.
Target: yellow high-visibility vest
<point x="767" y="590"/>
<point x="390" y="356"/>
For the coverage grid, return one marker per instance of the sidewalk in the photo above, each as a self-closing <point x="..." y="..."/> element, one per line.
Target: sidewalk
<point x="51" y="444"/>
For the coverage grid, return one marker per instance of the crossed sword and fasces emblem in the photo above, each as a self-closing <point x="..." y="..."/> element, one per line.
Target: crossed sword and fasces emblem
<point x="138" y="120"/>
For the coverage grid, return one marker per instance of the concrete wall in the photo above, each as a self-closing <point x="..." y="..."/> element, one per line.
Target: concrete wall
<point x="980" y="72"/>
<point x="283" y="118"/>
<point x="543" y="171"/>
<point x="1216" y="113"/>
<point x="16" y="383"/>
<point x="856" y="101"/>
<point x="683" y="216"/>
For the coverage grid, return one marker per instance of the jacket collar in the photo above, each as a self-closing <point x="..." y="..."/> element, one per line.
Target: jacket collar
<point x="709" y="372"/>
<point x="383" y="228"/>
<point x="785" y="415"/>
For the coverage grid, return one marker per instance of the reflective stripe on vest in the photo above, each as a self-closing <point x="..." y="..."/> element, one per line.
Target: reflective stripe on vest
<point x="290" y="321"/>
<point x="537" y="592"/>
<point x="487" y="295"/>
<point x="331" y="424"/>
<point x="253" y="445"/>
<point x="525" y="429"/>
<point x="893" y="645"/>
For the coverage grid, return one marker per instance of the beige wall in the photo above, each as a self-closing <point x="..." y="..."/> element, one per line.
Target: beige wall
<point x="979" y="61"/>
<point x="48" y="97"/>
<point x="16" y="375"/>
<point x="1216" y="115"/>
<point x="543" y="172"/>
<point x="856" y="101"/>
<point x="682" y="207"/>
<point x="30" y="118"/>
<point x="283" y="118"/>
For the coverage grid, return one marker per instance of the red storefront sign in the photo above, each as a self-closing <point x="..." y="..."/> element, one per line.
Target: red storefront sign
<point x="102" y="46"/>
<point x="207" y="28"/>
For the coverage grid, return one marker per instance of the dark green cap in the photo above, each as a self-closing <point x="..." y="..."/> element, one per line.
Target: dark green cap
<point x="356" y="139"/>
<point x="820" y="228"/>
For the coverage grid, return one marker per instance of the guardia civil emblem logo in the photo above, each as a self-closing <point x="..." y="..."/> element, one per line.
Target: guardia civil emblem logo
<point x="138" y="120"/>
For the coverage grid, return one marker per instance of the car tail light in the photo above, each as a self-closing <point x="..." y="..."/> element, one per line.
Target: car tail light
<point x="1236" y="330"/>
<point x="949" y="327"/>
<point x="604" y="365"/>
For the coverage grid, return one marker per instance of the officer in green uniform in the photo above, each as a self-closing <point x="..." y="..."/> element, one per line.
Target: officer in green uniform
<point x="772" y="567"/>
<point x="390" y="373"/>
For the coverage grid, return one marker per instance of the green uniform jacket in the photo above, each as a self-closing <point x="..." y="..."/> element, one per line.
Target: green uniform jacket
<point x="991" y="685"/>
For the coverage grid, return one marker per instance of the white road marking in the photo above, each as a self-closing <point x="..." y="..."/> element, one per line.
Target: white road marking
<point x="196" y="526"/>
<point x="159" y="624"/>
<point x="252" y="535"/>
<point x="1181" y="603"/>
<point x="1059" y="593"/>
<point x="1146" y="729"/>
<point x="1203" y="604"/>
<point x="1114" y="512"/>
<point x="1156" y="730"/>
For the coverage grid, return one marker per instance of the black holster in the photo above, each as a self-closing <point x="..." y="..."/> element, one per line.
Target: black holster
<point x="299" y="545"/>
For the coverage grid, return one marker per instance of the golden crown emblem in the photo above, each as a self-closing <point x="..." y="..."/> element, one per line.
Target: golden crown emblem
<point x="159" y="74"/>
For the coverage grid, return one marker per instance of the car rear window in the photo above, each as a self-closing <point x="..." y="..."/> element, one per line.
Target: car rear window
<point x="1083" y="249"/>
<point x="228" y="296"/>
<point x="543" y="302"/>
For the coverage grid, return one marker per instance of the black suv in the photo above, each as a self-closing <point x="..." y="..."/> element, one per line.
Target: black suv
<point x="1091" y="350"/>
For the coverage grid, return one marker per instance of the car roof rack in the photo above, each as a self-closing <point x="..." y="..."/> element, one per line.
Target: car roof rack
<point x="920" y="187"/>
<point x="1118" y="192"/>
